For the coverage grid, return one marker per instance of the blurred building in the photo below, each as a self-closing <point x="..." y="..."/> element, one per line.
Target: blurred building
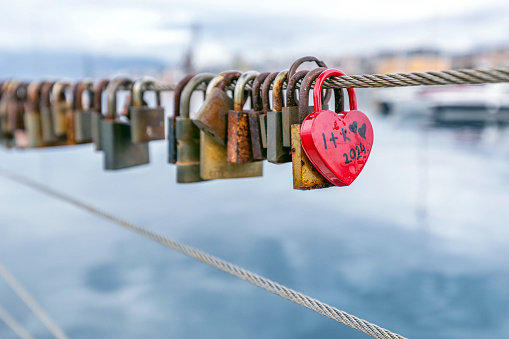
<point x="420" y="60"/>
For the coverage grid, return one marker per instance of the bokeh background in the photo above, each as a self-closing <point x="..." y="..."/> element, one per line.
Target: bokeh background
<point x="418" y="244"/>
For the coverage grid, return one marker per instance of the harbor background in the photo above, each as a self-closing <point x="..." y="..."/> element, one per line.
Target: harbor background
<point x="417" y="244"/>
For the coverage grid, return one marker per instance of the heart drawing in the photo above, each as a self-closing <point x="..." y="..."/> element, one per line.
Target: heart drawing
<point x="336" y="146"/>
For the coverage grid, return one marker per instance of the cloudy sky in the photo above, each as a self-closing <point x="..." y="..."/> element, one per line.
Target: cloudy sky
<point x="257" y="30"/>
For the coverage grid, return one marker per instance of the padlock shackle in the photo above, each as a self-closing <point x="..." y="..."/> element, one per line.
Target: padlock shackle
<point x="290" y="88"/>
<point x="115" y="86"/>
<point x="256" y="97"/>
<point x="222" y="80"/>
<point x="277" y="90"/>
<point x="59" y="91"/>
<point x="300" y="61"/>
<point x="46" y="90"/>
<point x="238" y="93"/>
<point x="352" y="98"/>
<point x="295" y="66"/>
<point x="189" y="88"/>
<point x="80" y="87"/>
<point x="34" y="95"/>
<point x="139" y="87"/>
<point x="178" y="92"/>
<point x="265" y="90"/>
<point x="99" y="88"/>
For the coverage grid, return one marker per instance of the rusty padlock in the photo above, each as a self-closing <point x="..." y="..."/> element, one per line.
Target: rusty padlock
<point x="305" y="175"/>
<point x="48" y="135"/>
<point x="276" y="152"/>
<point x="97" y="115"/>
<point x="259" y="152"/>
<point x="61" y="111"/>
<point x="172" y="139"/>
<point x="119" y="151"/>
<point x="32" y="114"/>
<point x="147" y="123"/>
<point x="239" y="139"/>
<point x="16" y="111"/>
<point x="188" y="134"/>
<point x="267" y="83"/>
<point x="6" y="138"/>
<point x="290" y="113"/>
<point x="213" y="156"/>
<point x="212" y="117"/>
<point x="82" y="117"/>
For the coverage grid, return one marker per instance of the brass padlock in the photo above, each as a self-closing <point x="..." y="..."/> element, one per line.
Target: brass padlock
<point x="83" y="116"/>
<point x="239" y="136"/>
<point x="267" y="83"/>
<point x="188" y="134"/>
<point x="172" y="139"/>
<point x="259" y="152"/>
<point x="119" y="151"/>
<point x="6" y="138"/>
<point x="48" y="136"/>
<point x="213" y="156"/>
<point x="276" y="153"/>
<point x="290" y="113"/>
<point x="60" y="110"/>
<point x="305" y="175"/>
<point x="33" y="114"/>
<point x="147" y="123"/>
<point x="97" y="115"/>
<point x="212" y="117"/>
<point x="16" y="111"/>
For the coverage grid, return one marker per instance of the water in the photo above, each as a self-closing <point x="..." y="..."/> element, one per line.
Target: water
<point x="418" y="244"/>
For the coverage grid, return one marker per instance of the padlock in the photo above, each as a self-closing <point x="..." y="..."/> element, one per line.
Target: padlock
<point x="119" y="151"/>
<point x="147" y="123"/>
<point x="83" y="116"/>
<point x="172" y="139"/>
<point x="212" y="117"/>
<point x="97" y="115"/>
<point x="259" y="152"/>
<point x="32" y="114"/>
<point x="188" y="134"/>
<point x="337" y="143"/>
<point x="276" y="153"/>
<point x="6" y="138"/>
<point x="266" y="106"/>
<point x="305" y="175"/>
<point x="213" y="156"/>
<point x="60" y="110"/>
<point x="239" y="136"/>
<point x="290" y="113"/>
<point x="16" y="111"/>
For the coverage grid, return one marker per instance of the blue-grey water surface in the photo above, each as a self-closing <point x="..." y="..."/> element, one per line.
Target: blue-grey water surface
<point x="418" y="244"/>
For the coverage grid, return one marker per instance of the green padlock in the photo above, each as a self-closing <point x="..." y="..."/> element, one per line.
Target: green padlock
<point x="97" y="115"/>
<point x="188" y="134"/>
<point x="276" y="152"/>
<point x="119" y="151"/>
<point x="82" y="116"/>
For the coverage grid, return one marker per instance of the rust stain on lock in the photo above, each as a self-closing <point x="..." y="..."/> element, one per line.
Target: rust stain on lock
<point x="239" y="143"/>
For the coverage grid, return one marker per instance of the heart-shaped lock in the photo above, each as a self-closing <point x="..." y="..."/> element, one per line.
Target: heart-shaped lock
<point x="338" y="144"/>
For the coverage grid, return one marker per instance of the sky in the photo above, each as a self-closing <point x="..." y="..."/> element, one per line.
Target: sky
<point x="256" y="31"/>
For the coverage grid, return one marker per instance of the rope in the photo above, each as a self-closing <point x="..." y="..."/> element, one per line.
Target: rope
<point x="14" y="325"/>
<point x="31" y="303"/>
<point x="252" y="278"/>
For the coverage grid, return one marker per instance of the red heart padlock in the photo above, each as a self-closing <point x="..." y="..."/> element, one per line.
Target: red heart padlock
<point x="338" y="144"/>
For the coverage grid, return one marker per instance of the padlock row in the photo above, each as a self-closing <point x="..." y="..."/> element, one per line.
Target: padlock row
<point x="222" y="140"/>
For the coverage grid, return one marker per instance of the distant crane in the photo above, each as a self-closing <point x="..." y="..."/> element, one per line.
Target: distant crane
<point x="188" y="61"/>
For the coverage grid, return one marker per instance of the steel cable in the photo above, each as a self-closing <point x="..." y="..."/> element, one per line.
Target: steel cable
<point x="31" y="303"/>
<point x="252" y="278"/>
